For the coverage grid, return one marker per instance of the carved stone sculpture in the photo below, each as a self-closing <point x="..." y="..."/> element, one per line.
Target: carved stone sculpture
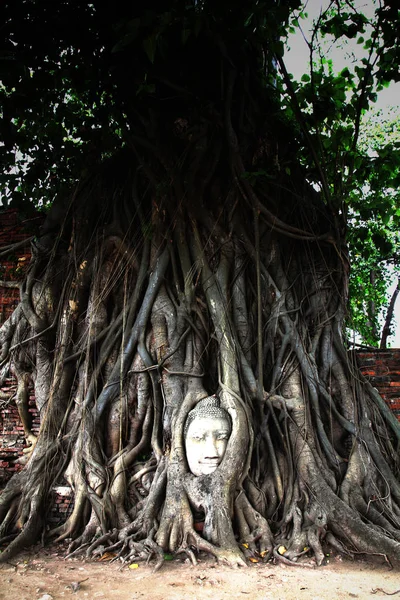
<point x="207" y="430"/>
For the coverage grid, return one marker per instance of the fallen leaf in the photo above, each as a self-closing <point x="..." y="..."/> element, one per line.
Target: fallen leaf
<point x="245" y="545"/>
<point x="253" y="560"/>
<point x="107" y="556"/>
<point x="134" y="566"/>
<point x="168" y="557"/>
<point x="282" y="550"/>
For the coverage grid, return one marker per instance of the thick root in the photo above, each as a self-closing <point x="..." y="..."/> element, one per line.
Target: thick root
<point x="255" y="535"/>
<point x="26" y="537"/>
<point x="31" y="440"/>
<point x="280" y="558"/>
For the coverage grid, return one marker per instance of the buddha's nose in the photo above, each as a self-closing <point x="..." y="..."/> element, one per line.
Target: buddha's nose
<point x="211" y="447"/>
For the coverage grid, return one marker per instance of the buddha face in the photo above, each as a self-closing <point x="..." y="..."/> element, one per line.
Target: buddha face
<point x="206" y="440"/>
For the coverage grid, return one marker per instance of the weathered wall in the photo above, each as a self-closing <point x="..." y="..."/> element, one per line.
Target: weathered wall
<point x="12" y="440"/>
<point x="15" y="252"/>
<point x="382" y="368"/>
<point x="12" y="444"/>
<point x="14" y="229"/>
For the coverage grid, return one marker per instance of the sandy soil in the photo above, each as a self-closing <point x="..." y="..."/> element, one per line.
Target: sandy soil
<point x="45" y="575"/>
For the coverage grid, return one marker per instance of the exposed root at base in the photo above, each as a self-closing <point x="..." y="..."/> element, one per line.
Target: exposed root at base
<point x="291" y="563"/>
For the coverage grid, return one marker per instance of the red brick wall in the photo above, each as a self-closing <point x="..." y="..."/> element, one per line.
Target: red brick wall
<point x="14" y="263"/>
<point x="13" y="266"/>
<point x="61" y="504"/>
<point x="12" y="439"/>
<point x="382" y="368"/>
<point x="12" y="444"/>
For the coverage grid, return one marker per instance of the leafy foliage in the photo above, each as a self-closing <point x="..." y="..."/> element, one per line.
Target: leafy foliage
<point x="75" y="76"/>
<point x="374" y="224"/>
<point x="354" y="159"/>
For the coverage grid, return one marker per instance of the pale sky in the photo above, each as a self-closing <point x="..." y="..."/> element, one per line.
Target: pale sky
<point x="297" y="63"/>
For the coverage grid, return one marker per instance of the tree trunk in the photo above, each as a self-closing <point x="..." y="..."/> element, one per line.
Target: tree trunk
<point x="169" y="277"/>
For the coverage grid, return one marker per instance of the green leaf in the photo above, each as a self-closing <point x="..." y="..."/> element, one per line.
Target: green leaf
<point x="248" y="20"/>
<point x="150" y="45"/>
<point x="132" y="28"/>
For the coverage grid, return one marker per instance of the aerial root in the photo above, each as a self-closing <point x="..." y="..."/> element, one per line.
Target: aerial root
<point x="8" y="538"/>
<point x="127" y="549"/>
<point x="301" y="543"/>
<point x="280" y="558"/>
<point x="145" y="551"/>
<point x="232" y="557"/>
<point x="179" y="537"/>
<point x="8" y="521"/>
<point x="76" y="548"/>
<point x="88" y="537"/>
<point x="337" y="545"/>
<point x="28" y="534"/>
<point x="314" y="535"/>
<point x="27" y="452"/>
<point x="31" y="439"/>
<point x="177" y="534"/>
<point x="185" y="549"/>
<point x="70" y="528"/>
<point x="255" y="536"/>
<point x="308" y="528"/>
<point x="102" y="543"/>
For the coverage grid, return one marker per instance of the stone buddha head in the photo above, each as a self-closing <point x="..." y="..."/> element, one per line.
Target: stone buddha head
<point x="206" y="433"/>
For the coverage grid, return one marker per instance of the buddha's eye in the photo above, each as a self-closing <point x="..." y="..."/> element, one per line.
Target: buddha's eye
<point x="223" y="436"/>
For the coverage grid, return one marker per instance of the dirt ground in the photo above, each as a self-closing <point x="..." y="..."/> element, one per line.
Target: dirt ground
<point x="45" y="575"/>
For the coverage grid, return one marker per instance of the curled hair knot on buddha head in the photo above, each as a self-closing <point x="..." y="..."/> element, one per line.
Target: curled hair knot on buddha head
<point x="209" y="407"/>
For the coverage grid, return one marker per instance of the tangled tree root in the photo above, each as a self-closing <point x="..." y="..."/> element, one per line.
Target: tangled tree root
<point x="150" y="294"/>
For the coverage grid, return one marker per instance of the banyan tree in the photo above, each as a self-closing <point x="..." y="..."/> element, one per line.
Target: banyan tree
<point x="182" y="319"/>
